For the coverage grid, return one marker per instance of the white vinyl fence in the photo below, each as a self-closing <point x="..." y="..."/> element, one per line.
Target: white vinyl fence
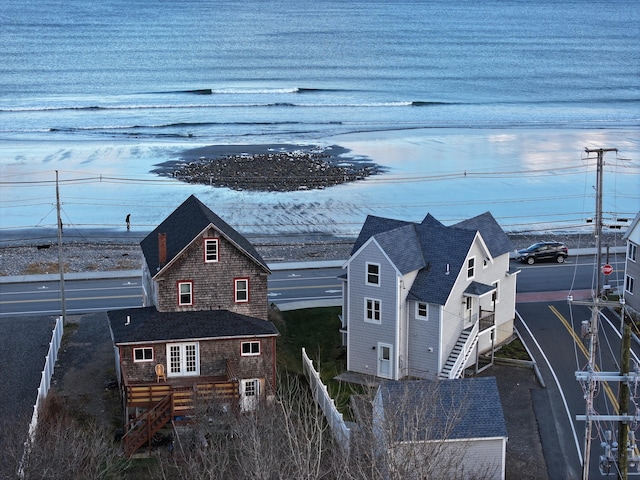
<point x="45" y="384"/>
<point x="328" y="406"/>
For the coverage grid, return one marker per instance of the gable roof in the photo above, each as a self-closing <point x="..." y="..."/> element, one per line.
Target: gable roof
<point x="374" y="225"/>
<point x="444" y="410"/>
<point x="634" y="223"/>
<point x="182" y="226"/>
<point x="147" y="325"/>
<point x="497" y="241"/>
<point x="436" y="250"/>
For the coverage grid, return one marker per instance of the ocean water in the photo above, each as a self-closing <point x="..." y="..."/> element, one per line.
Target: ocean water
<point x="470" y="106"/>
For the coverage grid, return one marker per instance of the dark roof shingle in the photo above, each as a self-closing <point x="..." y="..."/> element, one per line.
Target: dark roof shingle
<point x="183" y="225"/>
<point x="148" y="325"/>
<point x="444" y="410"/>
<point x="438" y="251"/>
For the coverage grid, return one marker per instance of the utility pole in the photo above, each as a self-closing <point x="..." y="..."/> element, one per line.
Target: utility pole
<point x="60" y="255"/>
<point x="593" y="328"/>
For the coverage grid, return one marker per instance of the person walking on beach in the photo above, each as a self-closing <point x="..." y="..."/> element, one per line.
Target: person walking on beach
<point x="128" y="220"/>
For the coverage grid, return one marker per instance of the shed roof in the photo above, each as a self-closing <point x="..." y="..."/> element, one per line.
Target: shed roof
<point x="424" y="410"/>
<point x="147" y="325"/>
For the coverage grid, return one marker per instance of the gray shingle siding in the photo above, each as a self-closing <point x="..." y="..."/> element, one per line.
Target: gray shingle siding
<point x="183" y="225"/>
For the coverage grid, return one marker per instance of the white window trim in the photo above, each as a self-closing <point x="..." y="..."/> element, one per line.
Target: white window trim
<point x="379" y="310"/>
<point x="473" y="269"/>
<point x="366" y="279"/>
<point x="632" y="252"/>
<point x="426" y="307"/>
<point x="236" y="290"/>
<point x="183" y="360"/>
<point x="249" y="402"/>
<point x="250" y="354"/>
<point x="180" y="302"/>
<point x="215" y="241"/>
<point x="629" y="281"/>
<point x="144" y="359"/>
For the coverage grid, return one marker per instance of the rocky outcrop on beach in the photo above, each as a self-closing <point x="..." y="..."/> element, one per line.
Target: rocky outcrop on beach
<point x="276" y="171"/>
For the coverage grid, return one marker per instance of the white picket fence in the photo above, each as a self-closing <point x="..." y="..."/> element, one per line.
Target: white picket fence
<point x="43" y="388"/>
<point x="340" y="431"/>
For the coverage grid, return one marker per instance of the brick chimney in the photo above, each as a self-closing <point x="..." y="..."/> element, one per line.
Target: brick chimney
<point x="162" y="249"/>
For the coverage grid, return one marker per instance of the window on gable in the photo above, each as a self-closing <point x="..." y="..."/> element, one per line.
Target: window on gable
<point x="628" y="284"/>
<point x="373" y="274"/>
<point x="143" y="354"/>
<point x="210" y="250"/>
<point x="372" y="310"/>
<point x="471" y="266"/>
<point x="241" y="290"/>
<point x="185" y="293"/>
<point x="250" y="348"/>
<point x="421" y="311"/>
<point x="631" y="251"/>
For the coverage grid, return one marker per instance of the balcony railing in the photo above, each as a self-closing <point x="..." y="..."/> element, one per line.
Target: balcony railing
<point x="487" y="320"/>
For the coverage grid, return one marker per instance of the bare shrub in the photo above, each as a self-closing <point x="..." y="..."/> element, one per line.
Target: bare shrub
<point x="64" y="448"/>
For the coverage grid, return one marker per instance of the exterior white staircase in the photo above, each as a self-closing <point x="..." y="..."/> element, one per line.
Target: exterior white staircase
<point x="461" y="352"/>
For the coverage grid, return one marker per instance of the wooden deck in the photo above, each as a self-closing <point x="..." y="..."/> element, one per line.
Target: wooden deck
<point x="186" y="392"/>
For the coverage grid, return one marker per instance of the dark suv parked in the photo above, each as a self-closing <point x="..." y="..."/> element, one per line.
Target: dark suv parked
<point x="543" y="251"/>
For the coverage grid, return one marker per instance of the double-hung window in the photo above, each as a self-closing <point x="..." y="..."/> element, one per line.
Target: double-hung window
<point x="629" y="284"/>
<point x="185" y="293"/>
<point x="250" y="348"/>
<point x="422" y="311"/>
<point x="241" y="289"/>
<point x="143" y="354"/>
<point x="372" y="310"/>
<point x="373" y="274"/>
<point x="632" y="251"/>
<point x="211" y="250"/>
<point x="471" y="267"/>
<point x="183" y="359"/>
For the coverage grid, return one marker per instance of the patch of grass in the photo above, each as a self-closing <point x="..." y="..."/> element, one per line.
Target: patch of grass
<point x="514" y="349"/>
<point x="317" y="330"/>
<point x="43" y="267"/>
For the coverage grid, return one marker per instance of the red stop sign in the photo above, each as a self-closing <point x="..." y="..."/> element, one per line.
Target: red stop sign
<point x="607" y="269"/>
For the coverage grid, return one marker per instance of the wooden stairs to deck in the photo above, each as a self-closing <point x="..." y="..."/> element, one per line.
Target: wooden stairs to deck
<point x="166" y="403"/>
<point x="141" y="429"/>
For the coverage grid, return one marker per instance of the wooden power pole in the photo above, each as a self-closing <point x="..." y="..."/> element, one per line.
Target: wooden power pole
<point x="592" y="376"/>
<point x="60" y="256"/>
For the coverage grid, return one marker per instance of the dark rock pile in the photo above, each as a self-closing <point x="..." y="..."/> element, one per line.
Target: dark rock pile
<point x="281" y="171"/>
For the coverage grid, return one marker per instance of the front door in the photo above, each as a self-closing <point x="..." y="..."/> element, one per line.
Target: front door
<point x="385" y="354"/>
<point x="249" y="394"/>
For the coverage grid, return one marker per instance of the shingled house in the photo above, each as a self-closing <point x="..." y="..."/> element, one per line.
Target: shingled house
<point x="424" y="300"/>
<point x="203" y="332"/>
